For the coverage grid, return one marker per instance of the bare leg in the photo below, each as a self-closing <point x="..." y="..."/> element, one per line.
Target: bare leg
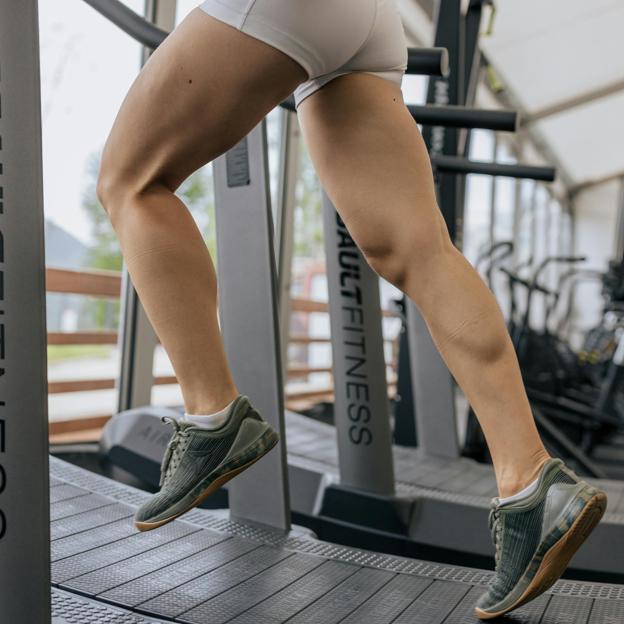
<point x="374" y="165"/>
<point x="201" y="91"/>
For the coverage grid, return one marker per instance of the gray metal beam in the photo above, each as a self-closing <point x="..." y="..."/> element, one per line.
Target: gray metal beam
<point x="24" y="481"/>
<point x="583" y="186"/>
<point x="434" y="391"/>
<point x="576" y="101"/>
<point x="285" y="226"/>
<point x="360" y="391"/>
<point x="433" y="385"/>
<point x="249" y="317"/>
<point x="509" y="99"/>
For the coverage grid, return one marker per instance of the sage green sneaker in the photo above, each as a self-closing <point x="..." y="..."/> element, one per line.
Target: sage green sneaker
<point x="536" y="536"/>
<point x="199" y="461"/>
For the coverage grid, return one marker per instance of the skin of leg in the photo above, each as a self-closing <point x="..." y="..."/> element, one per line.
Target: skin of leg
<point x="373" y="163"/>
<point x="201" y="92"/>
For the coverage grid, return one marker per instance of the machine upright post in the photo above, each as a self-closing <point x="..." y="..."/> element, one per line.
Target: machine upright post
<point x="361" y="405"/>
<point x="434" y="388"/>
<point x="249" y="317"/>
<point x="434" y="394"/>
<point x="285" y="224"/>
<point x="24" y="480"/>
<point x="137" y="338"/>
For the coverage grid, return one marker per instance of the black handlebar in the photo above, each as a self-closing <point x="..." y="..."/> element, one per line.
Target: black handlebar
<point x="131" y="23"/>
<point x="462" y="117"/>
<point x="456" y="164"/>
<point x="428" y="61"/>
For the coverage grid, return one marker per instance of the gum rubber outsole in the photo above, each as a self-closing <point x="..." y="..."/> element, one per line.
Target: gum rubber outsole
<point x="556" y="559"/>
<point x="211" y="489"/>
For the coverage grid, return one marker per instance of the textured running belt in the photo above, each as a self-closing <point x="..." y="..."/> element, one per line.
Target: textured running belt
<point x="210" y="569"/>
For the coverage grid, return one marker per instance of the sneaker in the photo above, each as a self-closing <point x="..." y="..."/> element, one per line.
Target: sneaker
<point x="535" y="537"/>
<point x="199" y="461"/>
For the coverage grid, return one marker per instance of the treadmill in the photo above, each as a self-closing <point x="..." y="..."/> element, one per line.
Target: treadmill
<point x="436" y="494"/>
<point x="207" y="567"/>
<point x="248" y="566"/>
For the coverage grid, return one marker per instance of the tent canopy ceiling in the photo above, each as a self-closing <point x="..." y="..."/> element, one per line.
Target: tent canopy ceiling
<point x="562" y="63"/>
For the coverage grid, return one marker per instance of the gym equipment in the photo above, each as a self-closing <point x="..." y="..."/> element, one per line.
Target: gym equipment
<point x="24" y="509"/>
<point x="585" y="405"/>
<point x="430" y="503"/>
<point x="206" y="568"/>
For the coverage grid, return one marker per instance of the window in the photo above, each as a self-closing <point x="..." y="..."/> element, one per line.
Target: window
<point x="87" y="66"/>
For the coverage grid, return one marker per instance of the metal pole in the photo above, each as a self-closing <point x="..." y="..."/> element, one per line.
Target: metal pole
<point x="249" y="317"/>
<point x="360" y="389"/>
<point x="493" y="195"/>
<point x="24" y="481"/>
<point x="137" y="338"/>
<point x="434" y="392"/>
<point x="286" y="224"/>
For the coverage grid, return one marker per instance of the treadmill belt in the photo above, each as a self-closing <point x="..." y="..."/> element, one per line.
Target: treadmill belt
<point x="208" y="569"/>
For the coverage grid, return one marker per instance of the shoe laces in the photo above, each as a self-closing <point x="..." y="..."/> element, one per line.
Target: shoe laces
<point x="496" y="529"/>
<point x="175" y="450"/>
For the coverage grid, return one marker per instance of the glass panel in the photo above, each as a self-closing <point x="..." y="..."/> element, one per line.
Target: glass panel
<point x="505" y="197"/>
<point x="87" y="66"/>
<point x="309" y="282"/>
<point x="478" y="199"/>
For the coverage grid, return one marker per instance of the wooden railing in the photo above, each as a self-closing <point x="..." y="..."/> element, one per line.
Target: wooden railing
<point x="107" y="285"/>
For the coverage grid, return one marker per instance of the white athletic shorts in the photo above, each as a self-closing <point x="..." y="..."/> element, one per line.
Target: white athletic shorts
<point x="328" y="38"/>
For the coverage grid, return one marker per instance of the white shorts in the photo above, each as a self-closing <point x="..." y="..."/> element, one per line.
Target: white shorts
<point x="328" y="38"/>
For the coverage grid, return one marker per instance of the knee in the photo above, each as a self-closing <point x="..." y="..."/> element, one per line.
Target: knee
<point x="408" y="253"/>
<point x="119" y="183"/>
<point x="104" y="189"/>
<point x="112" y="187"/>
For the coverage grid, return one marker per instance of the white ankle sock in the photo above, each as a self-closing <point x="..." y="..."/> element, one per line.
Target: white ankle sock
<point x="529" y="489"/>
<point x="210" y="421"/>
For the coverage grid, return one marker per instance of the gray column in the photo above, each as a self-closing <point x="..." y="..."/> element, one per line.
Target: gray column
<point x="360" y="390"/>
<point x="434" y="396"/>
<point x="136" y="343"/>
<point x="285" y="226"/>
<point x="24" y="487"/>
<point x="249" y="319"/>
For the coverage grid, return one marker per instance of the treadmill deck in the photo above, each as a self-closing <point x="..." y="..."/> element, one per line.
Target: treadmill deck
<point x="461" y="479"/>
<point x="207" y="568"/>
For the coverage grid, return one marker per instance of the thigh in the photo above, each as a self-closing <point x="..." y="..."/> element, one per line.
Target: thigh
<point x="204" y="88"/>
<point x="370" y="158"/>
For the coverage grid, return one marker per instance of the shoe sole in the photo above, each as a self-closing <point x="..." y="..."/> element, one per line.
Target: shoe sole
<point x="211" y="489"/>
<point x="556" y="559"/>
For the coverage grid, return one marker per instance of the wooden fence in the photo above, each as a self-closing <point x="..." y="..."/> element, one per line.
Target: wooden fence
<point x="107" y="285"/>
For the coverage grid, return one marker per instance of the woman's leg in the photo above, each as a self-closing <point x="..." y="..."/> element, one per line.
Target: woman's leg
<point x="200" y="92"/>
<point x="373" y="163"/>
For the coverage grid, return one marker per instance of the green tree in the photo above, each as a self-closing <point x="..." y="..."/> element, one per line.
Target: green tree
<point x="308" y="215"/>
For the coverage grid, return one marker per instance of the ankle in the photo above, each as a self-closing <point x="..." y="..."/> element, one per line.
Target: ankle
<point x="513" y="478"/>
<point x="212" y="404"/>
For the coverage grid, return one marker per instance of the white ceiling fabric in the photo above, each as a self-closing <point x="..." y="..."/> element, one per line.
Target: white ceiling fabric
<point x="562" y="63"/>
